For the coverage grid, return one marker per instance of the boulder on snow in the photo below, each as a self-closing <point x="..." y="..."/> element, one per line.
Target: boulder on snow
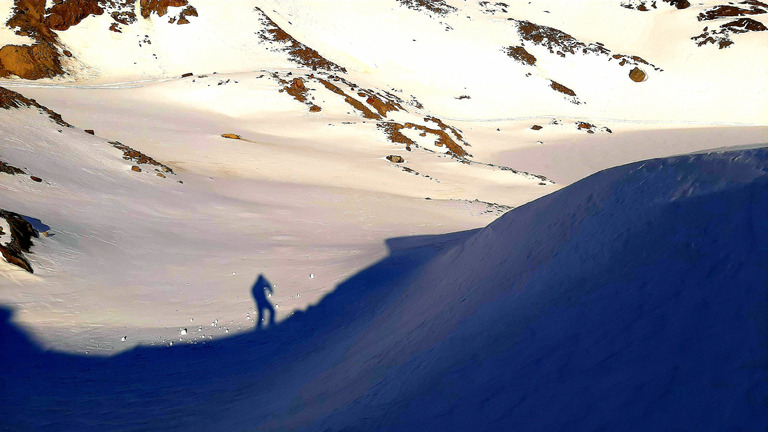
<point x="395" y="159"/>
<point x="231" y="136"/>
<point x="637" y="75"/>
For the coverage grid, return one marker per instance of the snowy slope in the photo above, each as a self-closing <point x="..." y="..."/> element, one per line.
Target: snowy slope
<point x="634" y="299"/>
<point x="456" y="58"/>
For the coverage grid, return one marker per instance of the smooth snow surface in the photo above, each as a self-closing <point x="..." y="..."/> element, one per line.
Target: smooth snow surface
<point x="632" y="300"/>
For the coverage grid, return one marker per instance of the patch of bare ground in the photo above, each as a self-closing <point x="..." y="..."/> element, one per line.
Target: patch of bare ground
<point x="437" y="7"/>
<point x="20" y="242"/>
<point x="10" y="99"/>
<point x="140" y="158"/>
<point x="297" y="51"/>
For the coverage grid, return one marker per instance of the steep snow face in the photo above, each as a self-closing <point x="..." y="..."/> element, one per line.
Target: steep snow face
<point x="621" y="302"/>
<point x="634" y="300"/>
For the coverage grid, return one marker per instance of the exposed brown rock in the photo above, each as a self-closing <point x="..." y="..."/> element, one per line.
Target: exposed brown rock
<point x="36" y="179"/>
<point x="297" y="51"/>
<point x="315" y="108"/>
<point x="22" y="233"/>
<point x="90" y="132"/>
<point x="188" y="74"/>
<point x="521" y="55"/>
<point x="392" y="130"/>
<point x="139" y="157"/>
<point x="744" y="25"/>
<point x="637" y="75"/>
<point x="721" y="11"/>
<point x="231" y="136"/>
<point x="564" y="90"/>
<point x="10" y="169"/>
<point x="395" y="159"/>
<point x="722" y="35"/>
<point x="561" y="43"/>
<point x="135" y="168"/>
<point x="10" y="99"/>
<point x="439" y="7"/>
<point x="367" y="113"/>
<point x="67" y="13"/>
<point x="159" y="7"/>
<point x="188" y="11"/>
<point x="297" y="89"/>
<point x="40" y="60"/>
<point x="443" y="139"/>
<point x="161" y="175"/>
<point x="537" y="127"/>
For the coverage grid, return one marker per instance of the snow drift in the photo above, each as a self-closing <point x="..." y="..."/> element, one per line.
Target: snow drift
<point x="635" y="299"/>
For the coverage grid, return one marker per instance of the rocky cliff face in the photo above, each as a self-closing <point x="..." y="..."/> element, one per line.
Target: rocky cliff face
<point x="43" y="58"/>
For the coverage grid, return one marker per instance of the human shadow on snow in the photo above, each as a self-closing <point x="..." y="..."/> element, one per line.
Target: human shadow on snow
<point x="187" y="386"/>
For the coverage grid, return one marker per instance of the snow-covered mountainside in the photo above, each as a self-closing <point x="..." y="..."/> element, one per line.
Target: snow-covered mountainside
<point x="159" y="156"/>
<point x="634" y="299"/>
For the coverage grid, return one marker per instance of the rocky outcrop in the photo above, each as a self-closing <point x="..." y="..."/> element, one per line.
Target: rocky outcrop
<point x="297" y="51"/>
<point x="68" y="13"/>
<point x="42" y="59"/>
<point x="749" y="7"/>
<point x="722" y="36"/>
<point x="11" y="100"/>
<point x="561" y="43"/>
<point x="437" y="7"/>
<point x="442" y="138"/>
<point x="395" y="159"/>
<point x="572" y="98"/>
<point x="140" y="158"/>
<point x="20" y="242"/>
<point x="647" y="5"/>
<point x="6" y="168"/>
<point x="159" y="7"/>
<point x="520" y="54"/>
<point x="39" y="60"/>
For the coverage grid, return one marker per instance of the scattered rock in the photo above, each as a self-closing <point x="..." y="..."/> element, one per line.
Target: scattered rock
<point x="188" y="74"/>
<point x="90" y="131"/>
<point x="395" y="159"/>
<point x="37" y="179"/>
<point x="537" y="127"/>
<point x="135" y="168"/>
<point x="637" y="75"/>
<point x="161" y="175"/>
<point x="231" y="136"/>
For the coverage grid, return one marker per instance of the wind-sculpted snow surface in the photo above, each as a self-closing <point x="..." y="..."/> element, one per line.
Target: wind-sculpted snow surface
<point x="635" y="299"/>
